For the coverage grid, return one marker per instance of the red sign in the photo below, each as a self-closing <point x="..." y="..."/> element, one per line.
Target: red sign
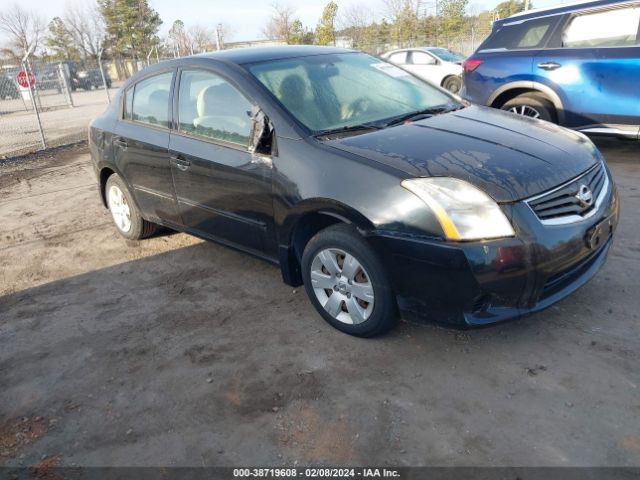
<point x="26" y="79"/>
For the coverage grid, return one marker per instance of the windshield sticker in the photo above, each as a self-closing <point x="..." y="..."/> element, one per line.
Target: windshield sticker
<point x="390" y="70"/>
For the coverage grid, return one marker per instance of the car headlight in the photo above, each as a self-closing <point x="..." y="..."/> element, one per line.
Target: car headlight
<point x="464" y="211"/>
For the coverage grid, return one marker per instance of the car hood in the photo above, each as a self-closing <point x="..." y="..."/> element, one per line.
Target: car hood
<point x="508" y="157"/>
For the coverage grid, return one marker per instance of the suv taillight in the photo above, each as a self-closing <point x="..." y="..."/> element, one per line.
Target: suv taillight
<point x="471" y="64"/>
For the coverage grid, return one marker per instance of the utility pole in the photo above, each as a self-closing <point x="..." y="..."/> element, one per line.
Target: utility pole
<point x="218" y="28"/>
<point x="104" y="80"/>
<point x="526" y="5"/>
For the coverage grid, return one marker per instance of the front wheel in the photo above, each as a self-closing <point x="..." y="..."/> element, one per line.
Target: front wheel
<point x="124" y="211"/>
<point x="346" y="282"/>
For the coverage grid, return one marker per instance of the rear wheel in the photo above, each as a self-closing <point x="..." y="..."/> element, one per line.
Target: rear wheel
<point x="531" y="105"/>
<point x="124" y="211"/>
<point x="346" y="282"/>
<point x="452" y="83"/>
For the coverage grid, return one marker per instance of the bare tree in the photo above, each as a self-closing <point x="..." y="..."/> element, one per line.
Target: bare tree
<point x="225" y="33"/>
<point x="85" y="24"/>
<point x="393" y="9"/>
<point x="24" y="28"/>
<point x="179" y="38"/>
<point x="279" y="25"/>
<point x="354" y="20"/>
<point x="201" y="38"/>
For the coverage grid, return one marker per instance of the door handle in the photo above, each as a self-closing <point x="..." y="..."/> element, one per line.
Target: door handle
<point x="549" y="65"/>
<point x="121" y="142"/>
<point x="180" y="162"/>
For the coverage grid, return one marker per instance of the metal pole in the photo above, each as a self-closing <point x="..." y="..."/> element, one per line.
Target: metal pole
<point x="104" y="80"/>
<point x="526" y="5"/>
<point x="63" y="76"/>
<point x="218" y="36"/>
<point x="33" y="100"/>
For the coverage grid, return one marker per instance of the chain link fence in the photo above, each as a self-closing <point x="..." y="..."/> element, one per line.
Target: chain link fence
<point x="48" y="104"/>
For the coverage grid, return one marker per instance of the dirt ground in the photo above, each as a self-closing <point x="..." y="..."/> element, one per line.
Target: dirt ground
<point x="175" y="351"/>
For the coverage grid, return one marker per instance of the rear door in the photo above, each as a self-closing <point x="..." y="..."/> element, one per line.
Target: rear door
<point x="593" y="63"/>
<point x="223" y="191"/>
<point x="141" y="146"/>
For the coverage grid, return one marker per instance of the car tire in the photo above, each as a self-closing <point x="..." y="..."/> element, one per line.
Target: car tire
<point x="351" y="284"/>
<point x="531" y="105"/>
<point x="452" y="83"/>
<point x="124" y="212"/>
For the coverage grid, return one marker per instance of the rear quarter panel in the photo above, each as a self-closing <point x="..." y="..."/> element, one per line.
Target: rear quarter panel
<point x="497" y="69"/>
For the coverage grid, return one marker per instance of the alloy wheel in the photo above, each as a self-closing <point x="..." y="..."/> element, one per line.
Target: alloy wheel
<point x="525" y="111"/>
<point x="342" y="286"/>
<point x="119" y="207"/>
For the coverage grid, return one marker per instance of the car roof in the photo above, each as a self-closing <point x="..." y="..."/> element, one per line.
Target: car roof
<point x="414" y="48"/>
<point x="241" y="56"/>
<point x="561" y="9"/>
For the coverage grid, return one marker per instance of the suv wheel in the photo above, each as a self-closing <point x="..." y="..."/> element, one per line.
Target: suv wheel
<point x="346" y="282"/>
<point x="531" y="105"/>
<point x="124" y="211"/>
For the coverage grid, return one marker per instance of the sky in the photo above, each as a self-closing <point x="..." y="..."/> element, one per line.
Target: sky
<point x="244" y="17"/>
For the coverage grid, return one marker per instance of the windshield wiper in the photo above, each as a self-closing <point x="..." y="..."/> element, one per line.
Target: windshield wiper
<point x="347" y="129"/>
<point x="425" y="113"/>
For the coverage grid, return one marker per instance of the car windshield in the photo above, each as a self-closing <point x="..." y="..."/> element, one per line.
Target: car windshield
<point x="336" y="91"/>
<point x="446" y="55"/>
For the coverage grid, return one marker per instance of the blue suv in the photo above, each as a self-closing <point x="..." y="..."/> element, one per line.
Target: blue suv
<point x="576" y="65"/>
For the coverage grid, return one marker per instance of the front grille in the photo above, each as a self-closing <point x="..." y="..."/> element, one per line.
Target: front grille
<point x="564" y="203"/>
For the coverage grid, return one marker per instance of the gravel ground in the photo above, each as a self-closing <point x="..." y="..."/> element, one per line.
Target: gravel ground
<point x="175" y="351"/>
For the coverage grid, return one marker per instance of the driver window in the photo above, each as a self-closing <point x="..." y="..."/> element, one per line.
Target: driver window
<point x="422" y="58"/>
<point x="210" y="107"/>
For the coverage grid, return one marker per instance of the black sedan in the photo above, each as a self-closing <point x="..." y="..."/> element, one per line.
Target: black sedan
<point x="380" y="193"/>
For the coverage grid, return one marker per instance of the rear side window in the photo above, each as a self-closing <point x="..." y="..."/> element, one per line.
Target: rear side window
<point x="529" y="34"/>
<point x="151" y="100"/>
<point x="210" y="107"/>
<point x="614" y="28"/>
<point x="399" y="58"/>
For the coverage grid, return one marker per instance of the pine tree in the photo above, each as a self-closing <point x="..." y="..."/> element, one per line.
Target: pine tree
<point x="325" y="31"/>
<point x="131" y="27"/>
<point x="61" y="41"/>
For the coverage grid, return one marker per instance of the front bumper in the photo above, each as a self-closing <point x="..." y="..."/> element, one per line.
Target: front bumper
<point x="480" y="283"/>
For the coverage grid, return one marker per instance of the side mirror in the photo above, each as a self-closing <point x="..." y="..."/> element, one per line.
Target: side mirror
<point x="261" y="135"/>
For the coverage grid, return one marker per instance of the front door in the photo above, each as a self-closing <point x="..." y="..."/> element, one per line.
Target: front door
<point x="425" y="66"/>
<point x="141" y="146"/>
<point x="223" y="191"/>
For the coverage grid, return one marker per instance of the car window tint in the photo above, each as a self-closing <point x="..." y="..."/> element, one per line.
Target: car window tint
<point x="533" y="36"/>
<point x="615" y="28"/>
<point x="210" y="107"/>
<point x="446" y="55"/>
<point x="399" y="58"/>
<point x="291" y="86"/>
<point x="529" y="34"/>
<point x="151" y="100"/>
<point x="421" y="58"/>
<point x="330" y="91"/>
